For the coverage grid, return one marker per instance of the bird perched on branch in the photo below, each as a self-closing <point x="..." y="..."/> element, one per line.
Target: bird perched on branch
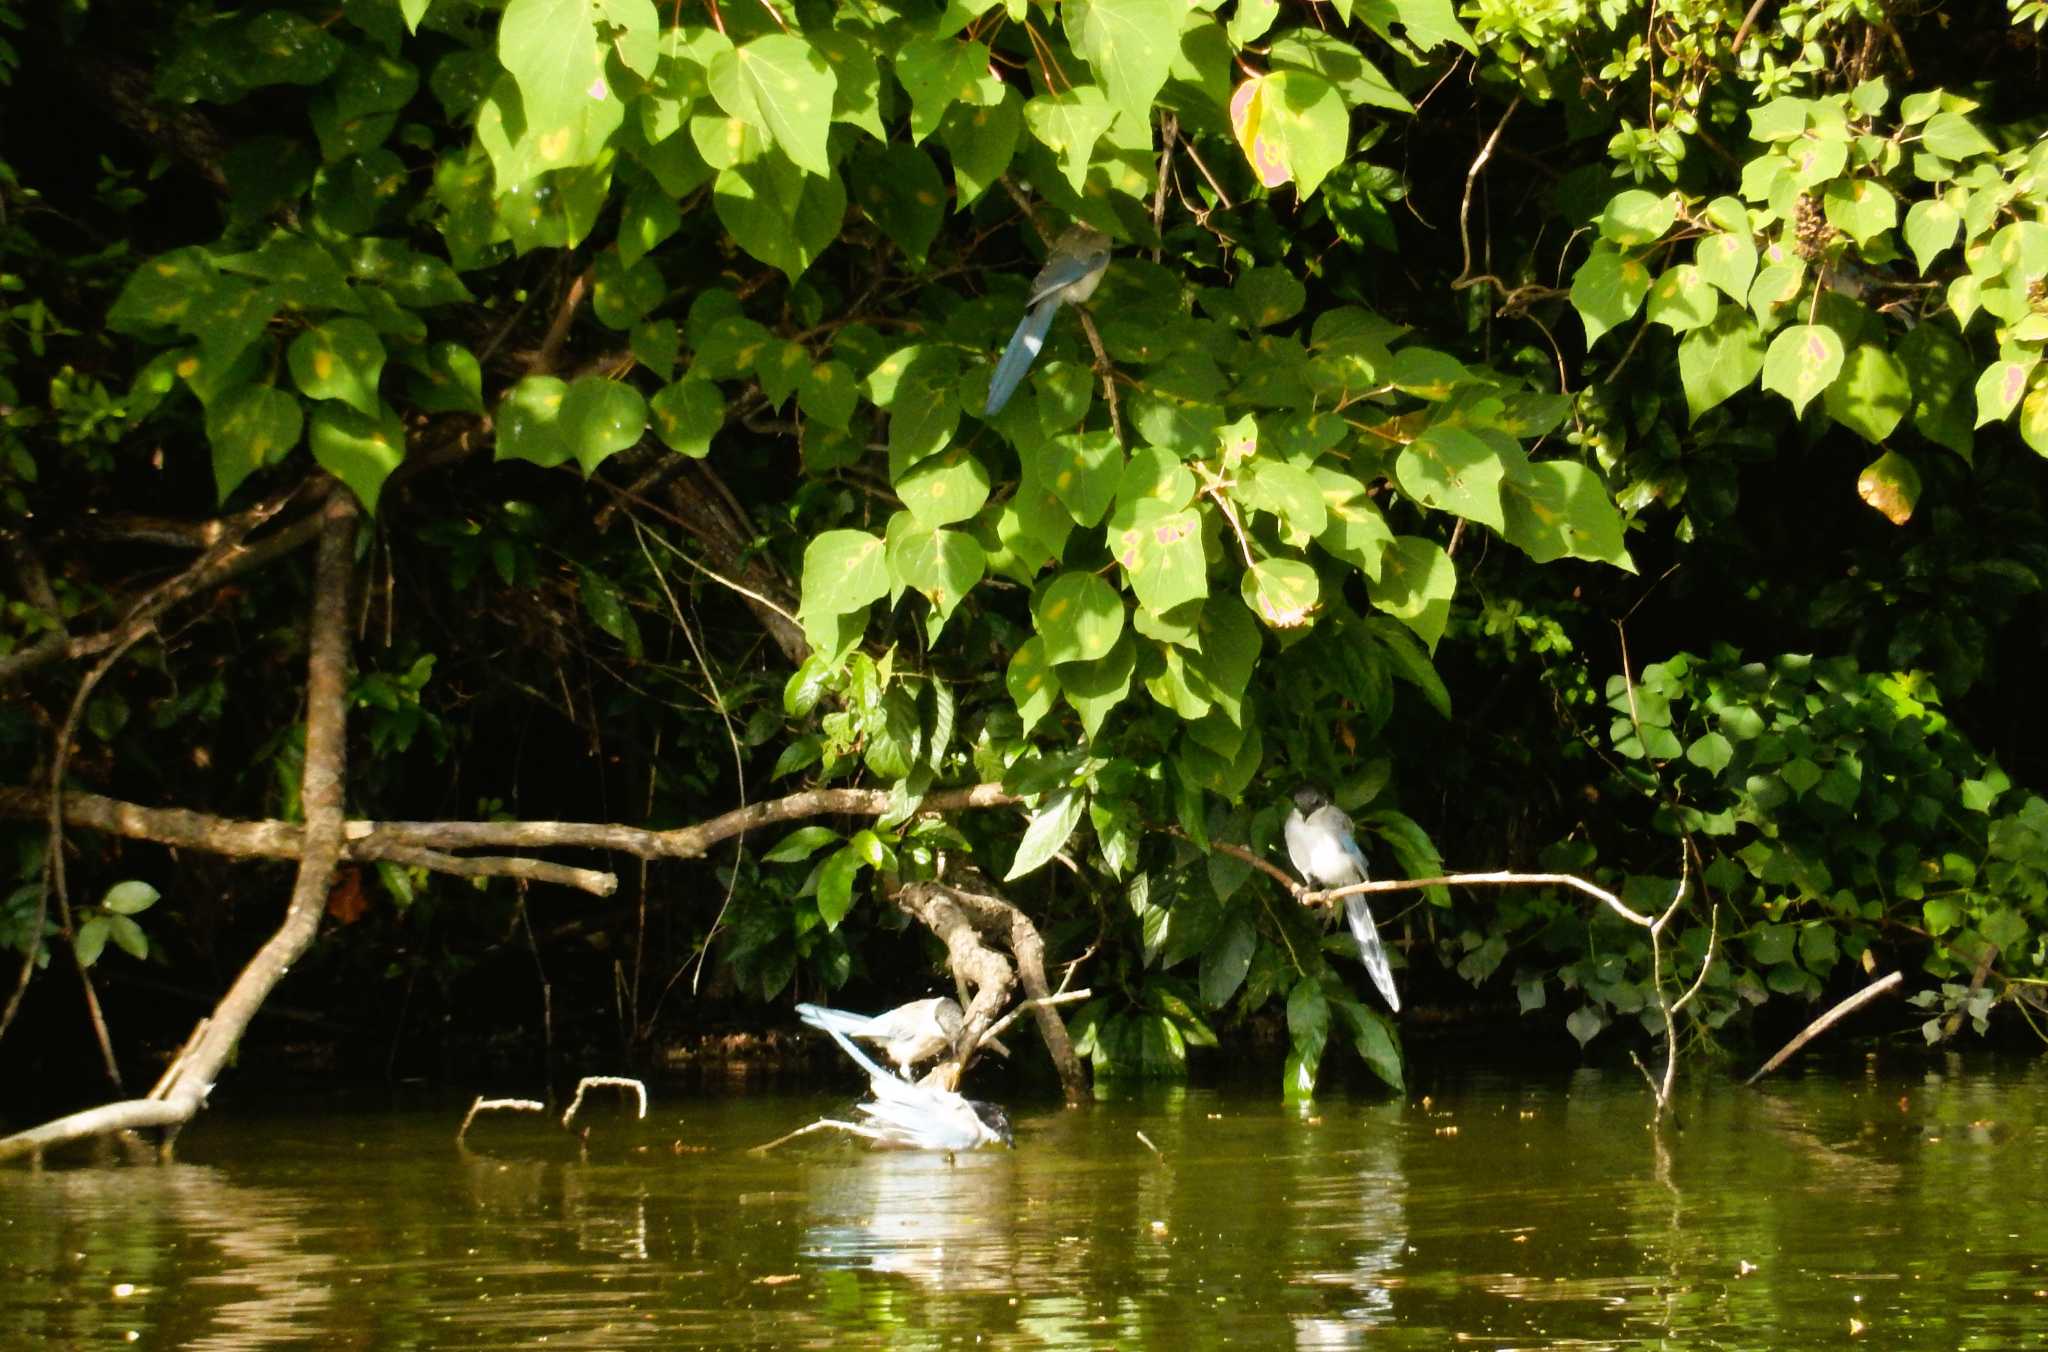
<point x="912" y="1116"/>
<point x="1071" y="273"/>
<point x="1320" y="843"/>
<point x="906" y="1034"/>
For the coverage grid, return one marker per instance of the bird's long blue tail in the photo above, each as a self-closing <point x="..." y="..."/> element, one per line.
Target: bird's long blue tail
<point x="1370" y="951"/>
<point x="1018" y="356"/>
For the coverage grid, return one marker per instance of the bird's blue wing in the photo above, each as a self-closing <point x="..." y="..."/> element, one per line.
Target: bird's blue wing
<point x="1350" y="845"/>
<point x="1018" y="356"/>
<point x="1063" y="271"/>
<point x="1370" y="951"/>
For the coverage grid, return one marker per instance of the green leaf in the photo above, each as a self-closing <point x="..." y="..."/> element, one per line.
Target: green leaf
<point x="981" y="141"/>
<point x="621" y="294"/>
<point x="248" y="429"/>
<point x="940" y="565"/>
<point x="1095" y="688"/>
<point x="132" y="897"/>
<point x="1871" y="395"/>
<point x="934" y="72"/>
<point x="1585" y="1023"/>
<point x="1356" y="531"/>
<point x="649" y="217"/>
<point x="1637" y="217"/>
<point x="1727" y="261"/>
<point x="2034" y="421"/>
<point x="1070" y="123"/>
<point x="128" y="936"/>
<point x="1608" y="289"/>
<point x="1802" y="361"/>
<point x="1282" y="592"/>
<point x="899" y="188"/>
<point x="1719" y="360"/>
<point x="1161" y="553"/>
<point x="1559" y="509"/>
<point x="606" y="606"/>
<point x="1050" y="826"/>
<point x="1954" y="137"/>
<point x="1249" y="20"/>
<point x="1270" y="296"/>
<point x="341" y="359"/>
<point x="1682" y="299"/>
<point x="528" y="422"/>
<point x="944" y="488"/>
<point x="829" y="393"/>
<point x="782" y="85"/>
<point x="1372" y="1036"/>
<point x="1293" y="127"/>
<point x="551" y="50"/>
<point x="162" y="293"/>
<point x="358" y="450"/>
<point x="1079" y="616"/>
<point x="1890" y="485"/>
<point x="1453" y="470"/>
<point x="303" y="272"/>
<point x="599" y="418"/>
<point x="856" y="96"/>
<point x="800" y="845"/>
<point x="1999" y="389"/>
<point x="1860" y="208"/>
<point x="687" y="414"/>
<point x="1931" y="227"/>
<point x="1033" y="685"/>
<point x="1415" y="585"/>
<point x="787" y="234"/>
<point x="445" y="378"/>
<point x="1226" y="960"/>
<point x="1343" y="65"/>
<point x="844" y="570"/>
<point x="835" y="884"/>
<point x="1711" y="752"/>
<point x="91" y="940"/>
<point x="1085" y="469"/>
<point x="1130" y="44"/>
<point x="1289" y="492"/>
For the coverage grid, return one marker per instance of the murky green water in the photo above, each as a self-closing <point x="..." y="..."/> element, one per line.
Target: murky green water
<point x="1501" y="1212"/>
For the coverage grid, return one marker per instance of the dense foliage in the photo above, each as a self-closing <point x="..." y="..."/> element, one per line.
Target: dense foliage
<point x="1446" y="357"/>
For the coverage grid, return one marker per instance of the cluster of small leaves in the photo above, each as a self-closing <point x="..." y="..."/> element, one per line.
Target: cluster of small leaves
<point x="1688" y="67"/>
<point x="1790" y="284"/>
<point x="1837" y="812"/>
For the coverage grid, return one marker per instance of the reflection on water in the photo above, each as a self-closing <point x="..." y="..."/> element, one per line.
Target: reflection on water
<point x="1496" y="1211"/>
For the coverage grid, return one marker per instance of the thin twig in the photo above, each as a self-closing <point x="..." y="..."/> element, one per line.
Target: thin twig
<point x="1820" y="1025"/>
<point x="604" y="1082"/>
<point x="504" y="1105"/>
<point x="1465" y="277"/>
<point x="1018" y="1010"/>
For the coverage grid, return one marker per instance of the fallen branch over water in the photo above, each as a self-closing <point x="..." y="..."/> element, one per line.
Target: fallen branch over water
<point x="1828" y="1020"/>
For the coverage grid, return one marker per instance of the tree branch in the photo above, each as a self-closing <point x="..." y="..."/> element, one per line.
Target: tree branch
<point x="321" y="793"/>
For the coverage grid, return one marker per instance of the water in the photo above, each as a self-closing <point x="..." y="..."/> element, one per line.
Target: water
<point x="1498" y="1212"/>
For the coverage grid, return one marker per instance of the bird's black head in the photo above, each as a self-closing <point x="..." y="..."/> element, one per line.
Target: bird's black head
<point x="994" y="1118"/>
<point x="1308" y="798"/>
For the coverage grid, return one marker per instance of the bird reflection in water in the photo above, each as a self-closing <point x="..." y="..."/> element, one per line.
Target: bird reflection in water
<point x="943" y="1222"/>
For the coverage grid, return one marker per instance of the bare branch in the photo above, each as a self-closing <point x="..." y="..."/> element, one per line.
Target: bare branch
<point x="371" y="840"/>
<point x="273" y="839"/>
<point x="1826" y="1021"/>
<point x="1497" y="879"/>
<point x="321" y="793"/>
